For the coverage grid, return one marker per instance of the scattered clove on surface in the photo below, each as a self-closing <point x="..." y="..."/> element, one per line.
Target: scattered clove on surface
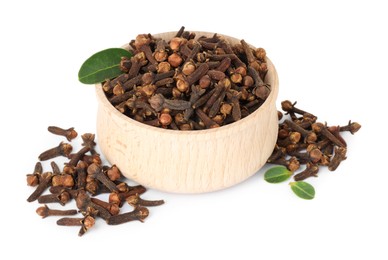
<point x="70" y="133"/>
<point x="83" y="177"/>
<point x="63" y="149"/>
<point x="320" y="146"/>
<point x="45" y="211"/>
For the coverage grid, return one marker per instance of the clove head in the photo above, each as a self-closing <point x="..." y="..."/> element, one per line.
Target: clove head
<point x="32" y="180"/>
<point x="175" y="60"/>
<point x="64" y="197"/>
<point x="133" y="200"/>
<point x="287" y="105"/>
<point x="157" y="102"/>
<point x="141" y="39"/>
<point x="114" y="198"/>
<point x="93" y="169"/>
<point x="295" y="137"/>
<point x="260" y="54"/>
<point x="262" y="92"/>
<point x="113" y="173"/>
<point x="82" y="200"/>
<point x="88" y="139"/>
<point x="317" y="127"/>
<point x="177" y="42"/>
<point x="354" y="127"/>
<point x="283" y="133"/>
<point x="293" y="164"/>
<point x="92" y="186"/>
<point x="114" y="209"/>
<point x="65" y="180"/>
<point x="141" y="213"/>
<point x="315" y="155"/>
<point x="160" y="55"/>
<point x="188" y="68"/>
<point x="165" y="119"/>
<point x="311" y="137"/>
<point x="43" y="211"/>
<point x="88" y="222"/>
<point x="122" y="187"/>
<point x="71" y="134"/>
<point x="226" y="109"/>
<point x="65" y="149"/>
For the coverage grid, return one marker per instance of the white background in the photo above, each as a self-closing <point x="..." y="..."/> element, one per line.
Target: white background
<point x="331" y="56"/>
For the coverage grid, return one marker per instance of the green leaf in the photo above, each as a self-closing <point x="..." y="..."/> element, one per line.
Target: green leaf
<point x="277" y="174"/>
<point x="102" y="65"/>
<point x="303" y="190"/>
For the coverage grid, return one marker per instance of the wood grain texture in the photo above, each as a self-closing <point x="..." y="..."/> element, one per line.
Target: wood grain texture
<point x="189" y="161"/>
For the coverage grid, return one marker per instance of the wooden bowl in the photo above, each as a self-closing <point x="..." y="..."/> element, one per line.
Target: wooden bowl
<point x="189" y="161"/>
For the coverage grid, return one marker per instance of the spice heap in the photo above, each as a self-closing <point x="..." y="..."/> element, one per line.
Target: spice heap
<point x="303" y="140"/>
<point x="189" y="82"/>
<point x="82" y="178"/>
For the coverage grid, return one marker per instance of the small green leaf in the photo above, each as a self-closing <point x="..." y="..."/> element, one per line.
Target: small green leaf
<point x="303" y="190"/>
<point x="102" y="65"/>
<point x="277" y="174"/>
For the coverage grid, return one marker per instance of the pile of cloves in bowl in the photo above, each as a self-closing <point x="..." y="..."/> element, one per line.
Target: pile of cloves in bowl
<point x="304" y="141"/>
<point x="82" y="178"/>
<point x="189" y="82"/>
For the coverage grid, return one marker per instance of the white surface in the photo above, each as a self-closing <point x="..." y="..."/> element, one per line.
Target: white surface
<point x="330" y="56"/>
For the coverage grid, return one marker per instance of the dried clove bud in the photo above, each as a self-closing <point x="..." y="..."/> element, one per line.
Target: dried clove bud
<point x="33" y="179"/>
<point x="44" y="211"/>
<point x="44" y="182"/>
<point x="76" y="157"/>
<point x="88" y="141"/>
<point x="139" y="213"/>
<point x="175" y="60"/>
<point x="321" y="129"/>
<point x="63" y="180"/>
<point x="62" y="198"/>
<point x="311" y="170"/>
<point x="119" y="198"/>
<point x="292" y="164"/>
<point x="310" y="136"/>
<point x="339" y="156"/>
<point x="158" y="102"/>
<point x="234" y="97"/>
<point x="188" y="68"/>
<point x="160" y="53"/>
<point x="198" y="73"/>
<point x="205" y="81"/>
<point x="165" y="119"/>
<point x="209" y="123"/>
<point x="86" y="223"/>
<point x="113" y="173"/>
<point x="135" y="201"/>
<point x="63" y="149"/>
<point x="70" y="133"/>
<point x="113" y="208"/>
<point x="196" y="93"/>
<point x="352" y="127"/>
<point x="97" y="173"/>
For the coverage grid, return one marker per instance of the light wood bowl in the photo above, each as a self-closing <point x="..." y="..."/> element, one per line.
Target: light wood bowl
<point x="189" y="161"/>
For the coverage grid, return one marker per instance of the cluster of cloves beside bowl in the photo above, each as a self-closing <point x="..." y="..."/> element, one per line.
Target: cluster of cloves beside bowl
<point x="189" y="83"/>
<point x="82" y="178"/>
<point x="304" y="141"/>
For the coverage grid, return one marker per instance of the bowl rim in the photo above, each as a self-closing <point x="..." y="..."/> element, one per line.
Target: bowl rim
<point x="273" y="95"/>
